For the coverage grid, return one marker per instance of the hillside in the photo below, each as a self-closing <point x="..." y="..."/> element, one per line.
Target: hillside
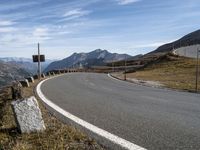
<point x="95" y="58"/>
<point x="189" y="39"/>
<point x="25" y="63"/>
<point x="170" y="70"/>
<point x="186" y="46"/>
<point x="9" y="72"/>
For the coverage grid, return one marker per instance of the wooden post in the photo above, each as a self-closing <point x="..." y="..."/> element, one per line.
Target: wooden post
<point x="113" y="69"/>
<point x="125" y="68"/>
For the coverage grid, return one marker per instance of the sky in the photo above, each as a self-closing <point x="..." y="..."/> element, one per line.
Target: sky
<point x="63" y="27"/>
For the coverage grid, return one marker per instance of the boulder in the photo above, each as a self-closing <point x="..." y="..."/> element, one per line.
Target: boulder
<point x="24" y="83"/>
<point x="28" y="115"/>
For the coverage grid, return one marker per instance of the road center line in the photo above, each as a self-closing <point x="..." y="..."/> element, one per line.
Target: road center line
<point x="111" y="137"/>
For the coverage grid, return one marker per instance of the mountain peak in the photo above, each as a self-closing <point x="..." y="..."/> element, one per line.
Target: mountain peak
<point x="98" y="50"/>
<point x="94" y="58"/>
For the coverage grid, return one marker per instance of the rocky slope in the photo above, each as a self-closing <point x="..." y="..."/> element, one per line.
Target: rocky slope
<point x="95" y="58"/>
<point x="10" y="72"/>
<point x="26" y="63"/>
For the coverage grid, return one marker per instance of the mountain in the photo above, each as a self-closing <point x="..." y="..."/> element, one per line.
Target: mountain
<point x="95" y="58"/>
<point x="26" y="63"/>
<point x="189" y="39"/>
<point x="10" y="72"/>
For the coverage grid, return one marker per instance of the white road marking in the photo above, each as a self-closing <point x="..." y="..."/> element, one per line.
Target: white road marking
<point x="111" y="137"/>
<point x="114" y="77"/>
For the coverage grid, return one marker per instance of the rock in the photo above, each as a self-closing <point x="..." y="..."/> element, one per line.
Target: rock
<point x="30" y="79"/>
<point x="16" y="90"/>
<point x="25" y="83"/>
<point x="28" y="115"/>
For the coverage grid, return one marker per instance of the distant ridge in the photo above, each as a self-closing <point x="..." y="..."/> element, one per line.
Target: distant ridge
<point x="10" y="72"/>
<point x="97" y="57"/>
<point x="25" y="63"/>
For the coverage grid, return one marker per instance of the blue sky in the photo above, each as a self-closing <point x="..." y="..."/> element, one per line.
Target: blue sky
<point x="67" y="26"/>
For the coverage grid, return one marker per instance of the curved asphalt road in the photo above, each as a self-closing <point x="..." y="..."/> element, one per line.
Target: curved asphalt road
<point x="152" y="118"/>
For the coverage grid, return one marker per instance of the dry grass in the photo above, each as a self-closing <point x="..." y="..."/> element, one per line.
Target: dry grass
<point x="57" y="135"/>
<point x="174" y="72"/>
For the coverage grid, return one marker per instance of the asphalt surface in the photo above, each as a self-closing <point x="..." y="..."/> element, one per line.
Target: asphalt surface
<point x="153" y="118"/>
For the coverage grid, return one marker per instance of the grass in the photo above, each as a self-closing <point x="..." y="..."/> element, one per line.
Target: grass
<point x="172" y="71"/>
<point x="57" y="135"/>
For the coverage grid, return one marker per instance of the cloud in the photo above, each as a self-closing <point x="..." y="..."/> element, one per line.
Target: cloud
<point x="76" y="13"/>
<point x="7" y="29"/>
<point x="126" y="2"/>
<point x="152" y="44"/>
<point x="22" y="39"/>
<point x="6" y="23"/>
<point x="40" y="32"/>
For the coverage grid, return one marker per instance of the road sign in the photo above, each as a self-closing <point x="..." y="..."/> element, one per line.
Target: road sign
<point x="39" y="58"/>
<point x="36" y="58"/>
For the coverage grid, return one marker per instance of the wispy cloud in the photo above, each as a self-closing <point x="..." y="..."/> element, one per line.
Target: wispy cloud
<point x="126" y="2"/>
<point x="40" y="32"/>
<point x="7" y="29"/>
<point x="143" y="25"/>
<point x="6" y="22"/>
<point x="75" y="13"/>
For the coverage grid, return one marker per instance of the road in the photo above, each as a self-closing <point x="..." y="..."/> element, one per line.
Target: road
<point x="149" y="117"/>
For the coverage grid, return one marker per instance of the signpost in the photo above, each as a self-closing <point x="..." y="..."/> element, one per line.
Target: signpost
<point x="39" y="58"/>
<point x="35" y="58"/>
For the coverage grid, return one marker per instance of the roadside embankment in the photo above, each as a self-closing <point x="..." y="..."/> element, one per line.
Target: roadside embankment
<point x="171" y="71"/>
<point x="56" y="136"/>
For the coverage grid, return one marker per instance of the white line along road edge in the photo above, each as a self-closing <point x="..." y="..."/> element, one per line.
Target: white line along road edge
<point x="113" y="138"/>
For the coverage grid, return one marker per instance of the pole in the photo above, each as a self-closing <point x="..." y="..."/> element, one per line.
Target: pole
<point x="125" y="68"/>
<point x="197" y="70"/>
<point x="112" y="66"/>
<point x="39" y="65"/>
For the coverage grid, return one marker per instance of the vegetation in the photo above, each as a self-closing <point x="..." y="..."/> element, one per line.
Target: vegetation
<point x="57" y="135"/>
<point x="171" y="70"/>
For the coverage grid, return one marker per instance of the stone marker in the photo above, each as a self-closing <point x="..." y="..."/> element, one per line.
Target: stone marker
<point x="28" y="115"/>
<point x="30" y="79"/>
<point x="43" y="75"/>
<point x="25" y="83"/>
<point x="48" y="73"/>
<point x="35" y="77"/>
